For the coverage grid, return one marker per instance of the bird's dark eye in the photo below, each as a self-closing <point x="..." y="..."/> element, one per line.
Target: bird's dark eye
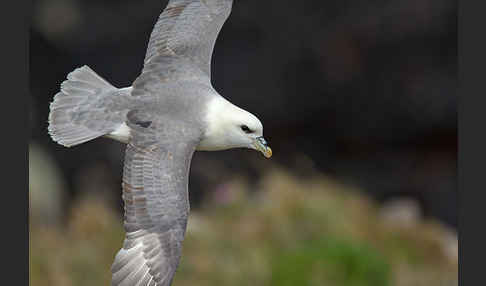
<point x="246" y="129"/>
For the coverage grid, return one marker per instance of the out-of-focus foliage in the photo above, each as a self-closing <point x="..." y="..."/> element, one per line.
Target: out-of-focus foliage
<point x="291" y="232"/>
<point x="46" y="187"/>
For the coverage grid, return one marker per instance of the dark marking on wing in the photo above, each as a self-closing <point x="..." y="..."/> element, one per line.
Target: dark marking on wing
<point x="143" y="124"/>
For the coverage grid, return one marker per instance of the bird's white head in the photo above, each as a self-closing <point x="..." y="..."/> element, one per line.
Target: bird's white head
<point x="228" y="126"/>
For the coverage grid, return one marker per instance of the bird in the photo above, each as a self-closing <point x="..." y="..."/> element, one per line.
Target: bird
<point x="170" y="111"/>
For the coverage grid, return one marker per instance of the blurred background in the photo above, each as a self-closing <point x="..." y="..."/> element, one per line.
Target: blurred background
<point x="359" y="104"/>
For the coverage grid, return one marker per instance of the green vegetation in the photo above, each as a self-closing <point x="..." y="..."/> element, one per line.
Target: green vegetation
<point x="289" y="232"/>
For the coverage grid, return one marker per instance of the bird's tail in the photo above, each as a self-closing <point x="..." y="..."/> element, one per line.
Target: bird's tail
<point x="76" y="113"/>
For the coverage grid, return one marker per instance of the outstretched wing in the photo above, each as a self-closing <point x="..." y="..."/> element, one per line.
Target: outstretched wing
<point x="155" y="179"/>
<point x="182" y="41"/>
<point x="188" y="29"/>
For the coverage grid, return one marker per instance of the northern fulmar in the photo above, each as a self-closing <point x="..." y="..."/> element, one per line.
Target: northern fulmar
<point x="170" y="111"/>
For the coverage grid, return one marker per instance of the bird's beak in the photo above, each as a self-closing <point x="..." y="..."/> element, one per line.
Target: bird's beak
<point x="261" y="145"/>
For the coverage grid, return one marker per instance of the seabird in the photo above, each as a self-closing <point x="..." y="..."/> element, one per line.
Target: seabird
<point x="170" y="111"/>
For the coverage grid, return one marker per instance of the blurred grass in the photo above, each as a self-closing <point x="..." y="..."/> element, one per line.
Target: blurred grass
<point x="289" y="232"/>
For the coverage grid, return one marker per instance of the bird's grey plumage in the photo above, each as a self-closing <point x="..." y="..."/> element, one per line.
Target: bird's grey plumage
<point x="188" y="29"/>
<point x="174" y="83"/>
<point x="165" y="131"/>
<point x="163" y="112"/>
<point x="86" y="107"/>
<point x="181" y="44"/>
<point x="155" y="179"/>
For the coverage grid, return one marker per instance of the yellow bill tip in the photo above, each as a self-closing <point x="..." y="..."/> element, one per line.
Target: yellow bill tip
<point x="267" y="153"/>
<point x="261" y="145"/>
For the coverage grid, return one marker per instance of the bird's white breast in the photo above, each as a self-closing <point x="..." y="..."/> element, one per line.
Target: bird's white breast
<point x="215" y="110"/>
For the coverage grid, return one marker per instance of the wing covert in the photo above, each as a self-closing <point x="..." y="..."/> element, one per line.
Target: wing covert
<point x="187" y="30"/>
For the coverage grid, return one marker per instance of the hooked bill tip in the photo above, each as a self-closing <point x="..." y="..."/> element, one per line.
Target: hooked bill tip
<point x="261" y="145"/>
<point x="268" y="153"/>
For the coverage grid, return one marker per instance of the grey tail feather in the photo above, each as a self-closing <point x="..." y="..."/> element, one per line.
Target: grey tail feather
<point x="80" y="84"/>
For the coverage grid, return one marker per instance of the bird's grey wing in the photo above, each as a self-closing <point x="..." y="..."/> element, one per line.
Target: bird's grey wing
<point x="155" y="180"/>
<point x="182" y="41"/>
<point x="188" y="28"/>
